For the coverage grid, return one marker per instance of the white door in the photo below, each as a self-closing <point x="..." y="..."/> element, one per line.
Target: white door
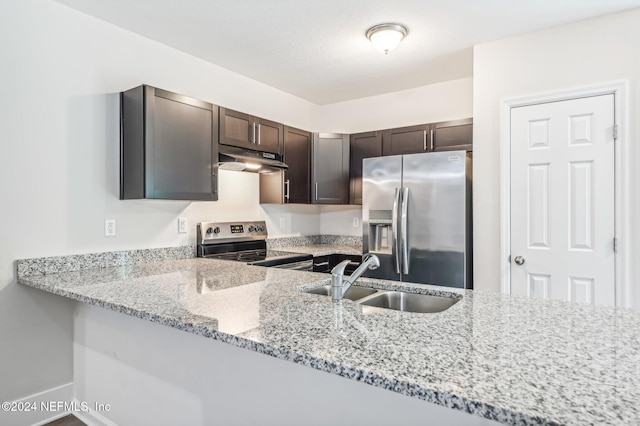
<point x="562" y="200"/>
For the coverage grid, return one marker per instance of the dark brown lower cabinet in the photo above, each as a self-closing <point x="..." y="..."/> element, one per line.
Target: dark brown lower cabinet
<point x="326" y="263"/>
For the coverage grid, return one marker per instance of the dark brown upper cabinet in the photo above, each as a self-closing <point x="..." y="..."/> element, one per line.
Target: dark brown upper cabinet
<point x="361" y="146"/>
<point x="406" y="140"/>
<point x="330" y="171"/>
<point x="292" y="186"/>
<point x="246" y="131"/>
<point x="453" y="135"/>
<point x="443" y="136"/>
<point x="168" y="146"/>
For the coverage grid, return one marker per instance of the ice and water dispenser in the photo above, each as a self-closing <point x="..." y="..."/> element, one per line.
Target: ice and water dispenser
<point x="380" y="231"/>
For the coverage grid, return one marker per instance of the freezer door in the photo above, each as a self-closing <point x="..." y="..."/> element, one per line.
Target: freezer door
<point x="436" y="205"/>
<point x="381" y="183"/>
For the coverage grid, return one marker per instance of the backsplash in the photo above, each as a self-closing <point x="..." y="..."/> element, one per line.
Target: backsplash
<point x="307" y="240"/>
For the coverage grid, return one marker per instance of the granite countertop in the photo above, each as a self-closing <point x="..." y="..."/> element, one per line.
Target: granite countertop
<point x="512" y="359"/>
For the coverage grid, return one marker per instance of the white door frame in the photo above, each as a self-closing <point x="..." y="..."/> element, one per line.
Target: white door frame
<point x="623" y="167"/>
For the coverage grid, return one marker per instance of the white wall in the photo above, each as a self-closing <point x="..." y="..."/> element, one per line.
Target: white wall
<point x="338" y="220"/>
<point x="61" y="72"/>
<point x="580" y="54"/>
<point x="450" y="100"/>
<point x="299" y="219"/>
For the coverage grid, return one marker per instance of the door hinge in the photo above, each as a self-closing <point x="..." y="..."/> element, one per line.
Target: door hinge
<point x="615" y="245"/>
<point x="615" y="131"/>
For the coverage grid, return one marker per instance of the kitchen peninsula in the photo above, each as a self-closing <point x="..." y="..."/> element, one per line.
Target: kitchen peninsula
<point x="489" y="358"/>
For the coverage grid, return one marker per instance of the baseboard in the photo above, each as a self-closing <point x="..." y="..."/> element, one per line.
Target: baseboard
<point x="93" y="417"/>
<point x="39" y="408"/>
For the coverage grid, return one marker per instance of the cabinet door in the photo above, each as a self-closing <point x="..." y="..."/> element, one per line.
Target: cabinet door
<point x="321" y="264"/>
<point x="297" y="155"/>
<point x="269" y="136"/>
<point x="237" y="129"/>
<point x="169" y="146"/>
<point x="330" y="168"/>
<point x="362" y="145"/>
<point x="406" y="140"/>
<point x="453" y="135"/>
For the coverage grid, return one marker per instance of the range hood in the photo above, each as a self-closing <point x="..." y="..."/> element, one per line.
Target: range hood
<point x="239" y="159"/>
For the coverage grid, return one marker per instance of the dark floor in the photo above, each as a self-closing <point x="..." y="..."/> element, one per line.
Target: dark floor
<point x="69" y="420"/>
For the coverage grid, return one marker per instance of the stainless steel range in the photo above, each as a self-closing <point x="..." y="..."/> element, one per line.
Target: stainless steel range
<point x="246" y="242"/>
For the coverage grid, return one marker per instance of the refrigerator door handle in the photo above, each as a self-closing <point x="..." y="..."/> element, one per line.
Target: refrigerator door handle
<point x="395" y="249"/>
<point x="404" y="225"/>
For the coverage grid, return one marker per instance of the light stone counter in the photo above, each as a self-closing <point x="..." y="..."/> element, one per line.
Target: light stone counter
<point x="318" y="245"/>
<point x="511" y="359"/>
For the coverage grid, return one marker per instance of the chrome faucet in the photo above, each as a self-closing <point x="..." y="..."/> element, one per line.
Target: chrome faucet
<point x="338" y="286"/>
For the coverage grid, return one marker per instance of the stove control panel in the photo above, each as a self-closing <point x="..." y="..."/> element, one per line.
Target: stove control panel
<point x="223" y="232"/>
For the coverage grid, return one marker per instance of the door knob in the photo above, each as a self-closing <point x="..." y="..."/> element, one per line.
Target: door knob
<point x="519" y="260"/>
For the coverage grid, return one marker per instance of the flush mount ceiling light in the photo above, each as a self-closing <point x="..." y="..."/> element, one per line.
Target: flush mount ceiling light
<point x="386" y="37"/>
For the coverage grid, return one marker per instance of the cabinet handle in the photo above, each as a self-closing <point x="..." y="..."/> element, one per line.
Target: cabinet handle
<point x="286" y="194"/>
<point x="258" y="133"/>
<point x="431" y="140"/>
<point x="424" y="139"/>
<point x="253" y="140"/>
<point x="316" y="191"/>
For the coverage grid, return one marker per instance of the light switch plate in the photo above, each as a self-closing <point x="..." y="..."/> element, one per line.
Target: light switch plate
<point x="182" y="225"/>
<point x="356" y="222"/>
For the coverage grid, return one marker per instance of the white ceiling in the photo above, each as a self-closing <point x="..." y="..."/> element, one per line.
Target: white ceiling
<point x="317" y="50"/>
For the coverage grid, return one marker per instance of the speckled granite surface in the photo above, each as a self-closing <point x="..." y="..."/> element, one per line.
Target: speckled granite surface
<point x="516" y="360"/>
<point x="318" y="245"/>
<point x="78" y="262"/>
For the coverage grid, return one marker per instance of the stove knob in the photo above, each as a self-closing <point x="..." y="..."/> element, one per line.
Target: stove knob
<point x="251" y="228"/>
<point x="216" y="230"/>
<point x="260" y="228"/>
<point x="209" y="231"/>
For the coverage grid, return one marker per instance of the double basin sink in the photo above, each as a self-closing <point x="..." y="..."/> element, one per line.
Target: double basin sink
<point x="390" y="299"/>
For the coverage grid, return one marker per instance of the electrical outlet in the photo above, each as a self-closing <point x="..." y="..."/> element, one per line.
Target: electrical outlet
<point x="356" y="222"/>
<point x="109" y="227"/>
<point x="182" y="225"/>
<point x="282" y="223"/>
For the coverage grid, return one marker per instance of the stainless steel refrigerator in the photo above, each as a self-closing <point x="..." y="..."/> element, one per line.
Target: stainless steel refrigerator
<point x="416" y="217"/>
